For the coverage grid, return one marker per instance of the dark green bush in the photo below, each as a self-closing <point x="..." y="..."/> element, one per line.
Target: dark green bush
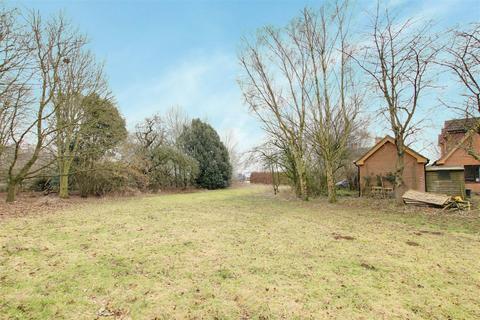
<point x="201" y="142"/>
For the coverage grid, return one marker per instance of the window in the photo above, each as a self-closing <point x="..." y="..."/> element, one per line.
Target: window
<point x="472" y="173"/>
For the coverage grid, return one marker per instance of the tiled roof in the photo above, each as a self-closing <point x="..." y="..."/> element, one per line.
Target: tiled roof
<point x="416" y="155"/>
<point x="460" y="125"/>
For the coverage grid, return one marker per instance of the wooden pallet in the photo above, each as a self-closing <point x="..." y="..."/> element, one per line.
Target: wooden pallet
<point x="434" y="199"/>
<point x="424" y="198"/>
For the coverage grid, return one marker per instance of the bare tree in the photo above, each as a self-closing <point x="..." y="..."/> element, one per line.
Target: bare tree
<point x="154" y="136"/>
<point x="298" y="81"/>
<point x="78" y="77"/>
<point x="14" y="53"/>
<point x="271" y="159"/>
<point x="151" y="132"/>
<point x="280" y="107"/>
<point x="398" y="60"/>
<point x="336" y="101"/>
<point x="462" y="58"/>
<point x="275" y="84"/>
<point x="50" y="44"/>
<point x="233" y="154"/>
<point x="175" y="120"/>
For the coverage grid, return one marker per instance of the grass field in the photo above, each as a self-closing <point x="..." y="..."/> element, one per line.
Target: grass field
<point x="238" y="254"/>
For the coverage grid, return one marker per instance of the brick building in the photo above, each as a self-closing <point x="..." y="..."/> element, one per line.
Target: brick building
<point x="378" y="163"/>
<point x="455" y="140"/>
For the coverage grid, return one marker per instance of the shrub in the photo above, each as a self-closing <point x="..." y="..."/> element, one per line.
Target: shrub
<point x="171" y="168"/>
<point x="316" y="181"/>
<point x="108" y="177"/>
<point x="45" y="184"/>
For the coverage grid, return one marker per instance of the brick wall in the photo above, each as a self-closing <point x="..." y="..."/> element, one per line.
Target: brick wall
<point x="460" y="157"/>
<point x="266" y="178"/>
<point x="383" y="162"/>
<point x="449" y="141"/>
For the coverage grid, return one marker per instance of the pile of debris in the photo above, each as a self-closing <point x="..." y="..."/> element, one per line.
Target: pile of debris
<point x="457" y="203"/>
<point x="436" y="200"/>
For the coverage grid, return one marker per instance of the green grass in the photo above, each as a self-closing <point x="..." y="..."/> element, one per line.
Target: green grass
<point x="238" y="253"/>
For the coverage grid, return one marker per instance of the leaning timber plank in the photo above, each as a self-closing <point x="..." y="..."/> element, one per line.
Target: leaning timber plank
<point x="424" y="197"/>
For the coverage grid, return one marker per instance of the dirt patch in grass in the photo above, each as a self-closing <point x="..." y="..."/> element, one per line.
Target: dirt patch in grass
<point x="111" y="312"/>
<point x="422" y="232"/>
<point x="367" y="266"/>
<point x="337" y="236"/>
<point x="412" y="243"/>
<point x="436" y="233"/>
<point x="36" y="204"/>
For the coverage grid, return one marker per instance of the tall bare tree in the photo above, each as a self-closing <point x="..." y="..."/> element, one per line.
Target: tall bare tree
<point x="398" y="59"/>
<point x="175" y="119"/>
<point x="462" y="59"/>
<point x="79" y="77"/>
<point x="298" y="81"/>
<point x="50" y="46"/>
<point x="14" y="54"/>
<point x="234" y="155"/>
<point x="274" y="86"/>
<point x="336" y="101"/>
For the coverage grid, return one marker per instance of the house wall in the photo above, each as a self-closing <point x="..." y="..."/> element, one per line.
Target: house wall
<point x="460" y="157"/>
<point x="383" y="161"/>
<point x="475" y="187"/>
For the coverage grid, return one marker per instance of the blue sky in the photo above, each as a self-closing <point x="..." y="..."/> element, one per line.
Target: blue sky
<point x="164" y="53"/>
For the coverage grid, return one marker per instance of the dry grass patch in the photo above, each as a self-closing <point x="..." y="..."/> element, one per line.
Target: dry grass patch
<point x="238" y="253"/>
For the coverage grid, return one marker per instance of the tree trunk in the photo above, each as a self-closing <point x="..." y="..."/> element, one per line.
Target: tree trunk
<point x="63" y="187"/>
<point x="302" y="180"/>
<point x="64" y="170"/>
<point x="399" y="183"/>
<point x="274" y="182"/>
<point x="331" y="192"/>
<point x="11" y="190"/>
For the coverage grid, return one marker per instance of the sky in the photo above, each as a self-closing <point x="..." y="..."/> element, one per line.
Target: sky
<point x="160" y="54"/>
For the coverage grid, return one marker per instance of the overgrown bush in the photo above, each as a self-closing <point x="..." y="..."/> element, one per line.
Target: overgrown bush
<point x="45" y="184"/>
<point x="108" y="177"/>
<point x="171" y="168"/>
<point x="316" y="179"/>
